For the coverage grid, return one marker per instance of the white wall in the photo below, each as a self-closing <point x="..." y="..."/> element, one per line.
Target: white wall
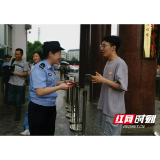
<point x="19" y="39"/>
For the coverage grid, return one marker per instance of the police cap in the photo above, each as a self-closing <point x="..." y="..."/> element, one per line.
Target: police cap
<point x="51" y="45"/>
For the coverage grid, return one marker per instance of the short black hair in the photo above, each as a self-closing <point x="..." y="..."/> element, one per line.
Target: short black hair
<point x="6" y="56"/>
<point x="46" y="53"/>
<point x="39" y="53"/>
<point x="19" y="49"/>
<point x="113" y="40"/>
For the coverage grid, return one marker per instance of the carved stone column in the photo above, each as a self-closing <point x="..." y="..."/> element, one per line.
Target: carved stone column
<point x="140" y="97"/>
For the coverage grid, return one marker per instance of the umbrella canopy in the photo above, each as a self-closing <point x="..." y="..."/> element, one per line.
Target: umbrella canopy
<point x="64" y="62"/>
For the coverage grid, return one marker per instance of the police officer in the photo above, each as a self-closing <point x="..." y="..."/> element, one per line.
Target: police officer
<point x="7" y="59"/>
<point x="5" y="63"/>
<point x="43" y="87"/>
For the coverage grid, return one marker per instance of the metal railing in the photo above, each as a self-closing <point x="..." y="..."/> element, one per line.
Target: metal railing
<point x="76" y="126"/>
<point x="84" y="112"/>
<point x="73" y="97"/>
<point x="68" y="99"/>
<point x="71" y="114"/>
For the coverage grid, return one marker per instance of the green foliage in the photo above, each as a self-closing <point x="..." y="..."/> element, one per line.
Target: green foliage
<point x="74" y="59"/>
<point x="32" y="48"/>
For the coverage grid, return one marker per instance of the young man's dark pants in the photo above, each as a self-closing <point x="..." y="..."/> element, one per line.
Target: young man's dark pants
<point x="18" y="93"/>
<point x="41" y="119"/>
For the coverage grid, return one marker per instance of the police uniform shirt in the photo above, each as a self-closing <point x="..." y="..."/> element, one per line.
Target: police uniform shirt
<point x="111" y="101"/>
<point x="5" y="63"/>
<point x="43" y="76"/>
<point x="20" y="67"/>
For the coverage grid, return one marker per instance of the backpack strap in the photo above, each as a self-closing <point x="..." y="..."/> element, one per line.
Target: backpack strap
<point x="13" y="61"/>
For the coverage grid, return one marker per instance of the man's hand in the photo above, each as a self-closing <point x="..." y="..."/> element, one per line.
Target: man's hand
<point x="97" y="79"/>
<point x="14" y="74"/>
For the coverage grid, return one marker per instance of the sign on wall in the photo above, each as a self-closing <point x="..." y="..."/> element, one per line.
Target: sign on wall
<point x="151" y="41"/>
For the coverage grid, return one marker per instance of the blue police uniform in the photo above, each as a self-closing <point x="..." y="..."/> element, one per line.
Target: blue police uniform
<point x="5" y="63"/>
<point x="43" y="76"/>
<point x="42" y="109"/>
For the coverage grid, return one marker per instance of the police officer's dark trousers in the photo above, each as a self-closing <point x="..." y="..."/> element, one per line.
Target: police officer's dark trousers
<point x="41" y="119"/>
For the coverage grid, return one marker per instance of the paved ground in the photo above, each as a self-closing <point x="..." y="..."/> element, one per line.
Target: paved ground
<point x="8" y="127"/>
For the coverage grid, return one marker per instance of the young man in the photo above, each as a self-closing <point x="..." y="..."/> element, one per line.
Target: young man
<point x="114" y="84"/>
<point x="17" y="81"/>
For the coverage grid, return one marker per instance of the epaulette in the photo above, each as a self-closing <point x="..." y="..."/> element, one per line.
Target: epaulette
<point x="42" y="65"/>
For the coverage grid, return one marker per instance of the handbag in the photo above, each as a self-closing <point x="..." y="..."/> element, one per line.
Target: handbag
<point x="8" y="71"/>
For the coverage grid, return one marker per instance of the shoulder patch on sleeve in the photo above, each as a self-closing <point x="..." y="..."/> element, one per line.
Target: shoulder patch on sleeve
<point x="42" y="65"/>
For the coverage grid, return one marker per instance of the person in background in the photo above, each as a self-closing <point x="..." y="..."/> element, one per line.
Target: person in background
<point x="16" y="84"/>
<point x="5" y="63"/>
<point x="37" y="56"/>
<point x="58" y="66"/>
<point x="65" y="71"/>
<point x="158" y="69"/>
<point x="69" y="69"/>
<point x="61" y="69"/>
<point x="43" y="87"/>
<point x="7" y="59"/>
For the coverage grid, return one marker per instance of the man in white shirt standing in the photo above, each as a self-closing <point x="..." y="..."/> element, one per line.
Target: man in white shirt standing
<point x="16" y="82"/>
